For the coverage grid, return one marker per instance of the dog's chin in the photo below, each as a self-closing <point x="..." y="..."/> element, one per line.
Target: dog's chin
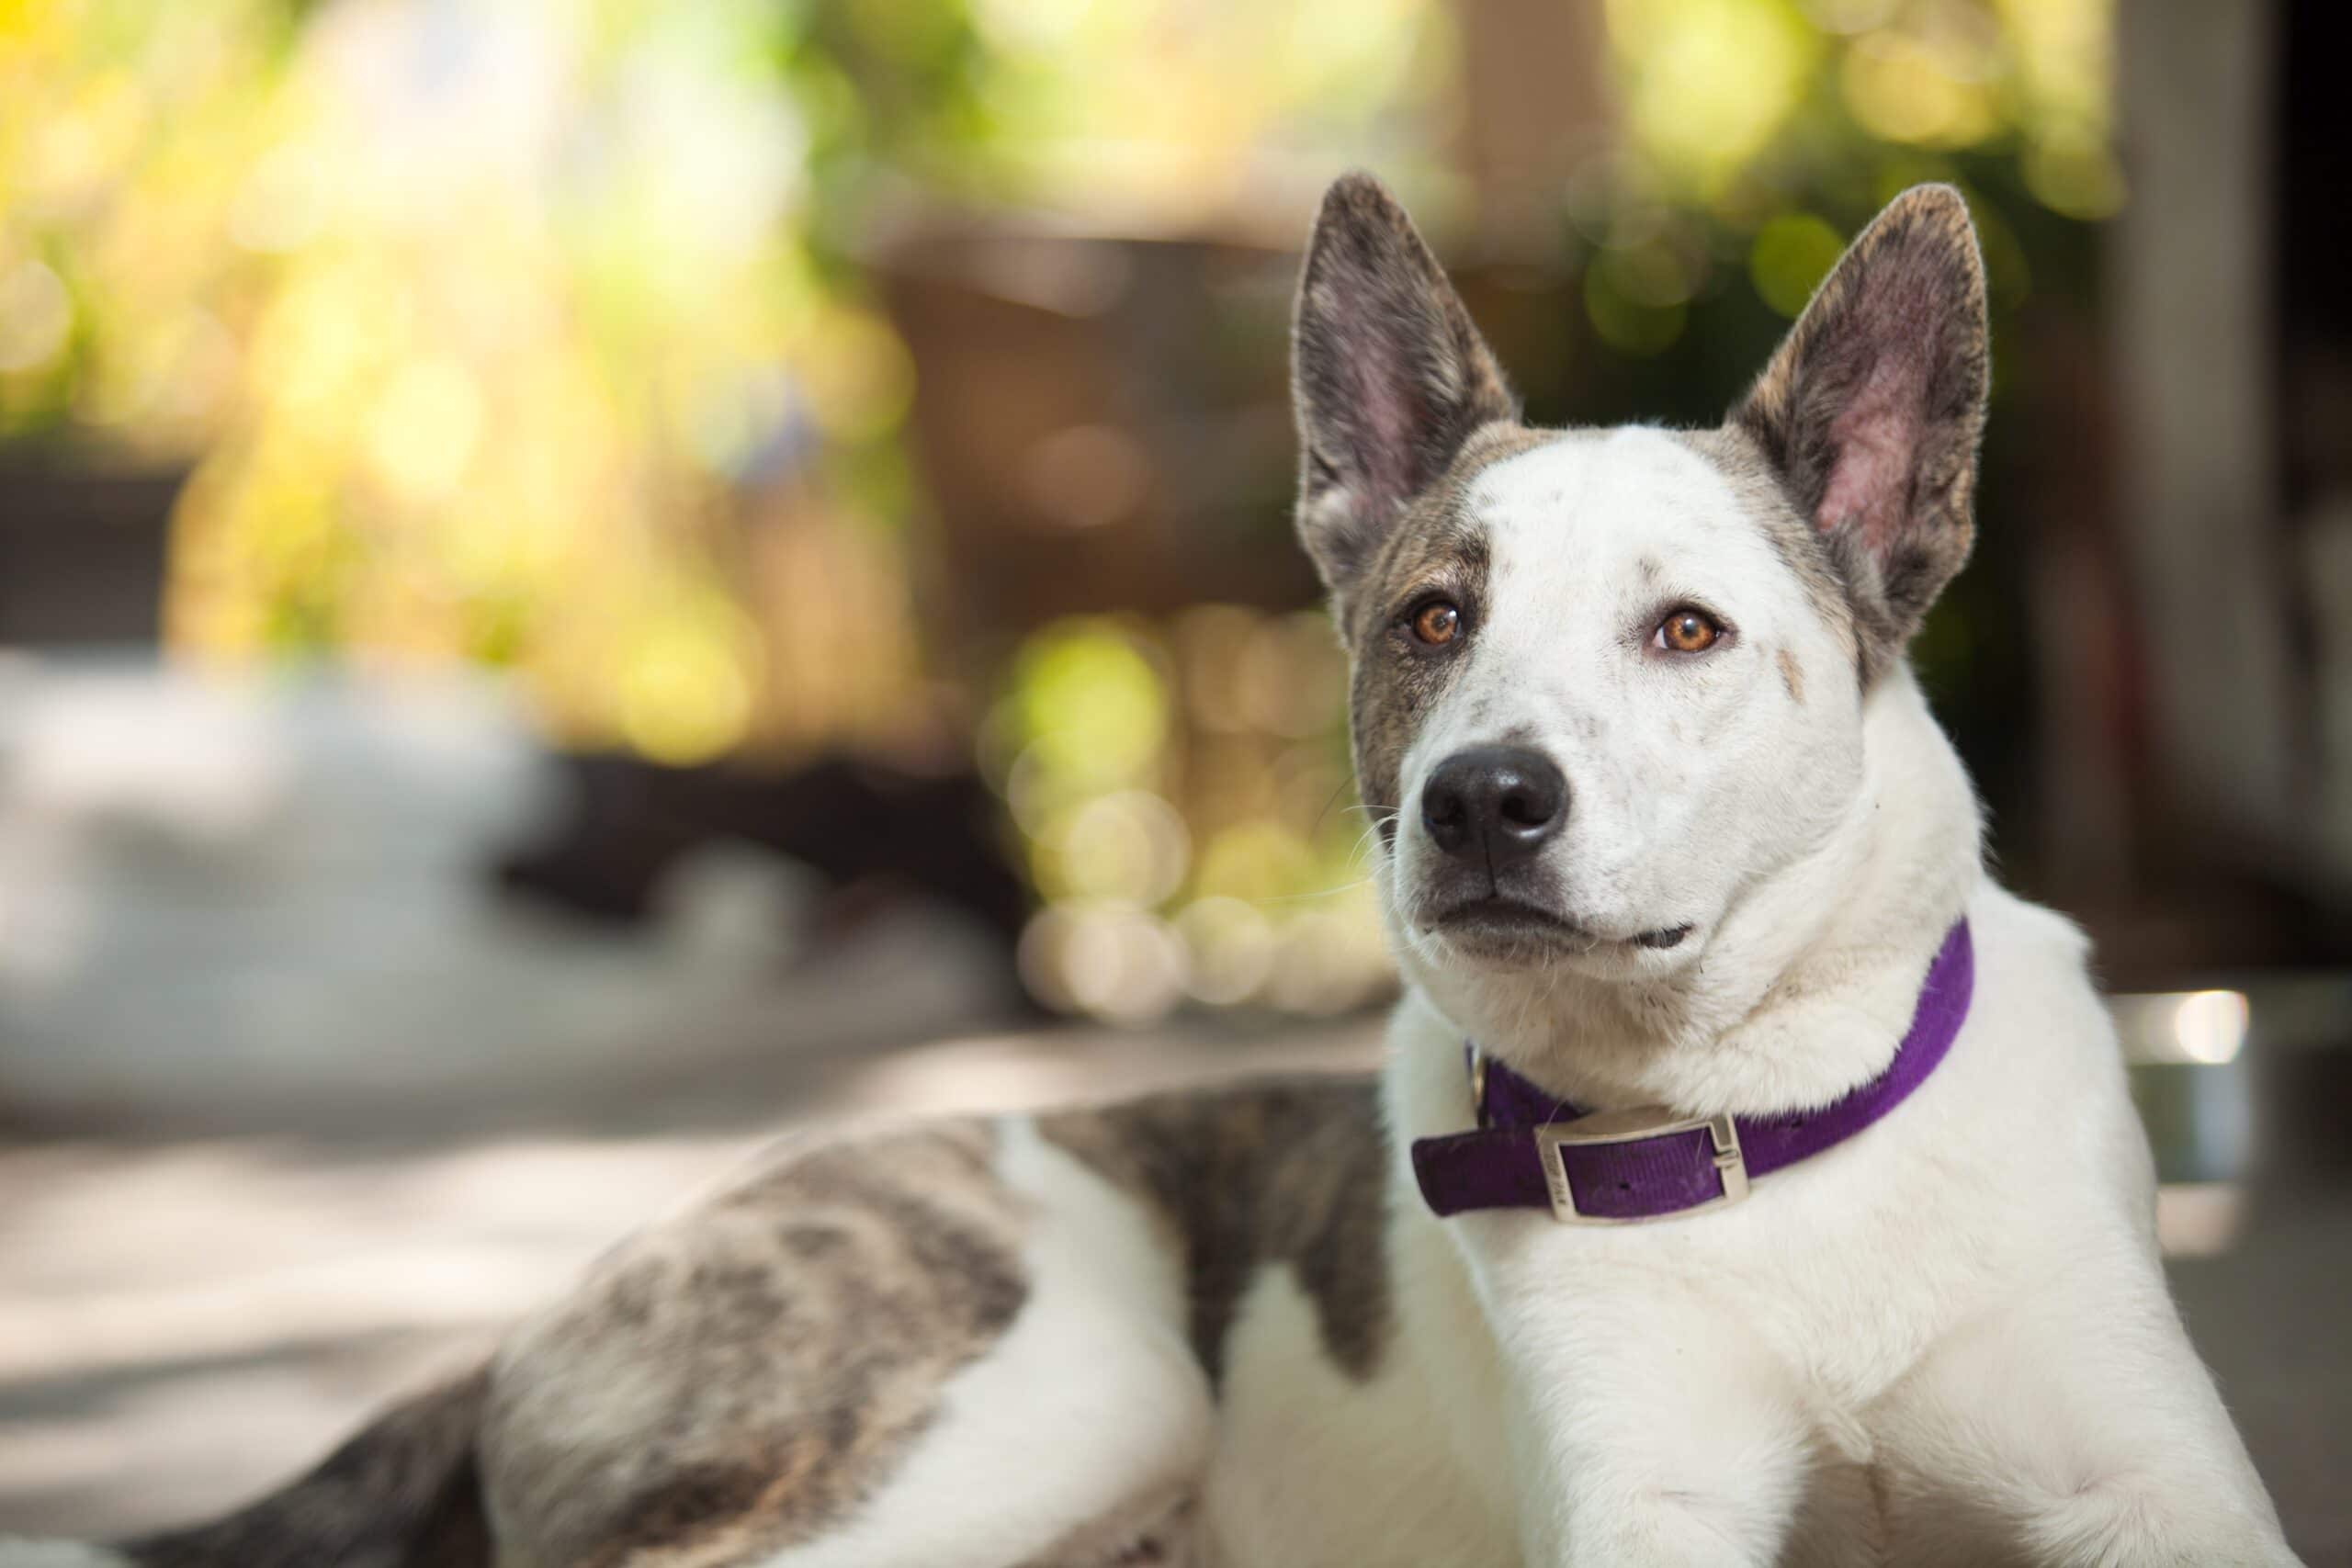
<point x="1508" y="933"/>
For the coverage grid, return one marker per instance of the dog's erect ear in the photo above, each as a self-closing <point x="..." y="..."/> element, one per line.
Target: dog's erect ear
<point x="1388" y="375"/>
<point x="1872" y="407"/>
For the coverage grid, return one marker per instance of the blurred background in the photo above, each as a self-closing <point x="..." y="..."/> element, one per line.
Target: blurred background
<point x="581" y="583"/>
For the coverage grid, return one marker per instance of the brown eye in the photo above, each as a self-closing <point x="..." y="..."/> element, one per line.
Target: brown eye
<point x="1688" y="631"/>
<point x="1437" y="623"/>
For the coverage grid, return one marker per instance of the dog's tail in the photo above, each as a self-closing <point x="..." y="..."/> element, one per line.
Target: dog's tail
<point x="402" y="1493"/>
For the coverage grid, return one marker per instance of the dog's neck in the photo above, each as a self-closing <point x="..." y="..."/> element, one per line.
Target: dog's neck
<point x="1805" y="984"/>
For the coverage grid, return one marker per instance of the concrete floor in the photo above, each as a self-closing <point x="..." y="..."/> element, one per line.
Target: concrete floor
<point x="2273" y="1317"/>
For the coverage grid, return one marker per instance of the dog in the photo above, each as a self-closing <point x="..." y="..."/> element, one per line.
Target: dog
<point x="1687" y="892"/>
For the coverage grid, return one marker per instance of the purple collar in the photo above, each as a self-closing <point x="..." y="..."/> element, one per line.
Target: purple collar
<point x="1532" y="1151"/>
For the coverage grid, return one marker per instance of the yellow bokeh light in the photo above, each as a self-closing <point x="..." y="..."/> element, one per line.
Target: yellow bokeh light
<point x="36" y="314"/>
<point x="2064" y="65"/>
<point x="1906" y="89"/>
<point x="423" y="428"/>
<point x="1792" y="255"/>
<point x="1126" y="847"/>
<point x="2082" y="179"/>
<point x="685" y="695"/>
<point x="1626" y="322"/>
<point x="1256" y="862"/>
<point x="1118" y="964"/>
<point x="1230" y="947"/>
<point x="1709" y="83"/>
<point x="1091" y="700"/>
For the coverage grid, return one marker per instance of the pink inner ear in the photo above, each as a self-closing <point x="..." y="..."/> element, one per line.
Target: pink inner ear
<point x="1391" y="417"/>
<point x="1877" y="440"/>
<point x="1390" y="413"/>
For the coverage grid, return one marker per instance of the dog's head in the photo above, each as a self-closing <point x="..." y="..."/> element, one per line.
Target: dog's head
<point x="1606" y="681"/>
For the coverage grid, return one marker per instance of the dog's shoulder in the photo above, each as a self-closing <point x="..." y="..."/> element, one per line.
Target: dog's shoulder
<point x="2046" y="1057"/>
<point x="2038" y="931"/>
<point x="2034" y="971"/>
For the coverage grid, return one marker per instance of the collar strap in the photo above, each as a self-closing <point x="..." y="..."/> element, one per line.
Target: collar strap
<point x="1532" y="1151"/>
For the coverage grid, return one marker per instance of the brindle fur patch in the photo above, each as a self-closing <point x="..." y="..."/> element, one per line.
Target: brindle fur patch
<point x="736" y="1380"/>
<point x="401" y="1493"/>
<point x="1438" y="546"/>
<point x="1288" y="1172"/>
<point x="1389" y="377"/>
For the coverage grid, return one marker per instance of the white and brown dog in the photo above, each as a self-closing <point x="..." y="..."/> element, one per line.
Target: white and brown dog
<point x="1669" y="842"/>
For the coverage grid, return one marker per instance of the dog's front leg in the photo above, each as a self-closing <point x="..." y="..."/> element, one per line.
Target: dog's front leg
<point x="1647" y="1429"/>
<point x="2075" y="1429"/>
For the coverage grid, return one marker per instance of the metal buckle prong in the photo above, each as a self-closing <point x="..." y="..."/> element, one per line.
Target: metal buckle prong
<point x="1634" y="1127"/>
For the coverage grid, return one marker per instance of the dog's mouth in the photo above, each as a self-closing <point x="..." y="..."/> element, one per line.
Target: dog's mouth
<point x="1505" y="927"/>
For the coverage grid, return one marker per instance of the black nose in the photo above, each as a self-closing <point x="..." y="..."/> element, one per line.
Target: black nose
<point x="1497" y="802"/>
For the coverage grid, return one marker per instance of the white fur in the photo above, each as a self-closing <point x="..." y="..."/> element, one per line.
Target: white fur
<point x="1091" y="1410"/>
<point x="1313" y="1467"/>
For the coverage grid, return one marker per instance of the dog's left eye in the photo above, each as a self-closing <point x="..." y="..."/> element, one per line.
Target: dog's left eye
<point x="1437" y="623"/>
<point x="1687" y="630"/>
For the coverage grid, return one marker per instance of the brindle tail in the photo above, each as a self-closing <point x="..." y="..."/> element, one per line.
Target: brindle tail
<point x="402" y="1493"/>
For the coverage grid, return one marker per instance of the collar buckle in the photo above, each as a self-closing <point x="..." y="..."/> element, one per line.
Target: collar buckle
<point x="1635" y="1127"/>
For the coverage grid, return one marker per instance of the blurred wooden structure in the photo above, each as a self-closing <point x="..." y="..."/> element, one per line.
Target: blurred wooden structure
<point x="1536" y="106"/>
<point x="2193" y="339"/>
<point x="1101" y="420"/>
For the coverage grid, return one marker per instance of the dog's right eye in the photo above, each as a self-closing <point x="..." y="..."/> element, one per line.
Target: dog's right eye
<point x="1437" y="623"/>
<point x="1687" y="630"/>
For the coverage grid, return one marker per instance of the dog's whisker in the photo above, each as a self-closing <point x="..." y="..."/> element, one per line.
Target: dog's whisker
<point x="1364" y="881"/>
<point x="1342" y="789"/>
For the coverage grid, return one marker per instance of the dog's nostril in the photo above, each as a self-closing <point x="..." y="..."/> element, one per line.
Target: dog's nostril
<point x="1445" y="812"/>
<point x="1526" y="809"/>
<point x="1529" y="795"/>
